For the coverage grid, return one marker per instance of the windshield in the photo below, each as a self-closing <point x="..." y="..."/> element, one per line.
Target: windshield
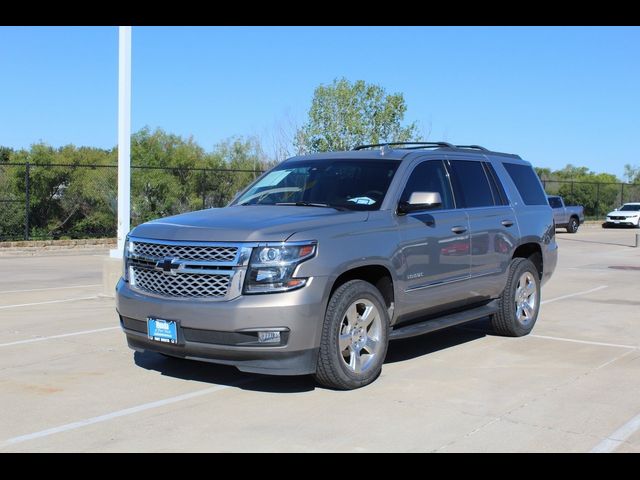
<point x="342" y="184"/>
<point x="630" y="208"/>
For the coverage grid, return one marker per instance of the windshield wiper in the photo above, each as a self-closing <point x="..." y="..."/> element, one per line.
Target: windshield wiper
<point x="311" y="204"/>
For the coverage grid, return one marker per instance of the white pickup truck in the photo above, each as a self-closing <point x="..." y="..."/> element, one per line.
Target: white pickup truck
<point x="566" y="217"/>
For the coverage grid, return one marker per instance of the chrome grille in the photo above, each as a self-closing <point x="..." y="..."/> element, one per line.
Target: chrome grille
<point x="186" y="252"/>
<point x="184" y="285"/>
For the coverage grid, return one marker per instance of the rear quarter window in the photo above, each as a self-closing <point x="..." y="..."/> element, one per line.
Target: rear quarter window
<point x="527" y="183"/>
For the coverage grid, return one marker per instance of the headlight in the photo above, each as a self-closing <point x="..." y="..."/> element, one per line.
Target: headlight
<point x="271" y="267"/>
<point x="128" y="249"/>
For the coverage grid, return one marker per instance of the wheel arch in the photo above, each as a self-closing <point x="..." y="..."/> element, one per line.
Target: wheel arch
<point x="376" y="274"/>
<point x="533" y="252"/>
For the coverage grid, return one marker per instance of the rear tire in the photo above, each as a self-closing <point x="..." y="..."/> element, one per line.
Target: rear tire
<point x="573" y="225"/>
<point x="355" y="337"/>
<point x="519" y="303"/>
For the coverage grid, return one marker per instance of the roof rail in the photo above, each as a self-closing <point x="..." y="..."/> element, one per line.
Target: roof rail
<point x="475" y="147"/>
<point x="411" y="145"/>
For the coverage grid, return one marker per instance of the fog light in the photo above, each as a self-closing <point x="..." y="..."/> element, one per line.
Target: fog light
<point x="269" y="337"/>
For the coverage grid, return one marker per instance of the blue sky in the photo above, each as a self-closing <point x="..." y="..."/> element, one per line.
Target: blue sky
<point x="554" y="95"/>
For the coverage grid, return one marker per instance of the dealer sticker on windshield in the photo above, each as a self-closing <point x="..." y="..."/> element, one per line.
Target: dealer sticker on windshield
<point x="162" y="330"/>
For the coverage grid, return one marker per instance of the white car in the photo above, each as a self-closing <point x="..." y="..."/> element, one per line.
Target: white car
<point x="628" y="214"/>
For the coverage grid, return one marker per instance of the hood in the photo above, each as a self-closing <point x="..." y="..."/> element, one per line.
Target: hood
<point x="250" y="223"/>
<point x="620" y="213"/>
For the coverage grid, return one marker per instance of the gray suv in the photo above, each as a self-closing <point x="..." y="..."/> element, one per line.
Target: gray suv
<point x="324" y="259"/>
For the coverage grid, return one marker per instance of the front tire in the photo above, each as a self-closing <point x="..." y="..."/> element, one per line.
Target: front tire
<point x="519" y="303"/>
<point x="355" y="337"/>
<point x="573" y="225"/>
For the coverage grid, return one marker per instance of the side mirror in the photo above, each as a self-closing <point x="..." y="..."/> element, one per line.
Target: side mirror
<point x="420" y="201"/>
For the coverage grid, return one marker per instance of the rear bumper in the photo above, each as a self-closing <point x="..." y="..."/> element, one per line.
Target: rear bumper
<point x="225" y="331"/>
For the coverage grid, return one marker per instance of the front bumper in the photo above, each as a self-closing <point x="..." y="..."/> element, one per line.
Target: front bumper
<point x="629" y="222"/>
<point x="220" y="331"/>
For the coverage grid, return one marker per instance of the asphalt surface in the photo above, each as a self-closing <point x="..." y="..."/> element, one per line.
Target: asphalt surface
<point x="68" y="382"/>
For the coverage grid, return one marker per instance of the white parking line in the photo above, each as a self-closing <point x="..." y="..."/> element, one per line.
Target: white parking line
<point x="3" y="307"/>
<point x="618" y="437"/>
<point x="51" y="288"/>
<point x="586" y="342"/>
<point x="118" y="414"/>
<point x="601" y="287"/>
<point x="73" y="334"/>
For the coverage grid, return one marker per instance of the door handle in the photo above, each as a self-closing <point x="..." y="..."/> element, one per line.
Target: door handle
<point x="507" y="223"/>
<point x="458" y="229"/>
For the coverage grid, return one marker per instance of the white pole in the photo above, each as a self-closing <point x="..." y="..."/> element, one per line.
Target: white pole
<point x="124" y="138"/>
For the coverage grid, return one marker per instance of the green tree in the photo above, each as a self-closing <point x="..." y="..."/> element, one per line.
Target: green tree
<point x="245" y="160"/>
<point x="11" y="202"/>
<point x="345" y="114"/>
<point x="632" y="173"/>
<point x="543" y="173"/>
<point x="165" y="185"/>
<point x="5" y="154"/>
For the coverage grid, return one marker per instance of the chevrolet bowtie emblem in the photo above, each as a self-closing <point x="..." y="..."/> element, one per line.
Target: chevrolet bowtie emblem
<point x="168" y="265"/>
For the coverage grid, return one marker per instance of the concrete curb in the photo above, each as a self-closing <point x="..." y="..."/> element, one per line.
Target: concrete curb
<point x="56" y="247"/>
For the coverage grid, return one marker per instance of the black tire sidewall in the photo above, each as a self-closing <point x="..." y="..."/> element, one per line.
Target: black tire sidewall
<point x="342" y="298"/>
<point x="509" y="323"/>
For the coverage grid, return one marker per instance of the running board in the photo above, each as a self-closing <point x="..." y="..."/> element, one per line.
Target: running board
<point x="439" y="323"/>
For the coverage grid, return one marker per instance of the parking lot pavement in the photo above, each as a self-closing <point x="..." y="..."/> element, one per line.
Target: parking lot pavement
<point x="69" y="383"/>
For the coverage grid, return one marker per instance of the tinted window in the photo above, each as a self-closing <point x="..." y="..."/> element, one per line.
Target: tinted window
<point x="527" y="183"/>
<point x="471" y="184"/>
<point x="499" y="196"/>
<point x="429" y="176"/>
<point x="555" y="202"/>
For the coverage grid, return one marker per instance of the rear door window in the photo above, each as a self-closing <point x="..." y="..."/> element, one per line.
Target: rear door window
<point x="470" y="184"/>
<point x="499" y="195"/>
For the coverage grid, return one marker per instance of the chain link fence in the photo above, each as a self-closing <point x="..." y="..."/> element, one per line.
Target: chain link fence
<point x="45" y="201"/>
<point x="597" y="198"/>
<point x="49" y="201"/>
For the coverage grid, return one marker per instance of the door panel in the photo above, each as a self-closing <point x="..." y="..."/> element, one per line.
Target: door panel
<point x="434" y="257"/>
<point x="493" y="227"/>
<point x="494" y="232"/>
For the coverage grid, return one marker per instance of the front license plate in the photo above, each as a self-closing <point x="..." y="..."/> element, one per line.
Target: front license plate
<point x="162" y="330"/>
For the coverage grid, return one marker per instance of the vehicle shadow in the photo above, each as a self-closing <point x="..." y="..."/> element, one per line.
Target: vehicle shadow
<point x="215" y="374"/>
<point x="409" y="348"/>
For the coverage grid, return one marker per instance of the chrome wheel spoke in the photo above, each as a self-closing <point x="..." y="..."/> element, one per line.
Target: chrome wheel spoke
<point x="344" y="341"/>
<point x="355" y="362"/>
<point x="352" y="315"/>
<point x="368" y="316"/>
<point x="528" y="310"/>
<point x="519" y="312"/>
<point x="371" y="346"/>
<point x="530" y="289"/>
